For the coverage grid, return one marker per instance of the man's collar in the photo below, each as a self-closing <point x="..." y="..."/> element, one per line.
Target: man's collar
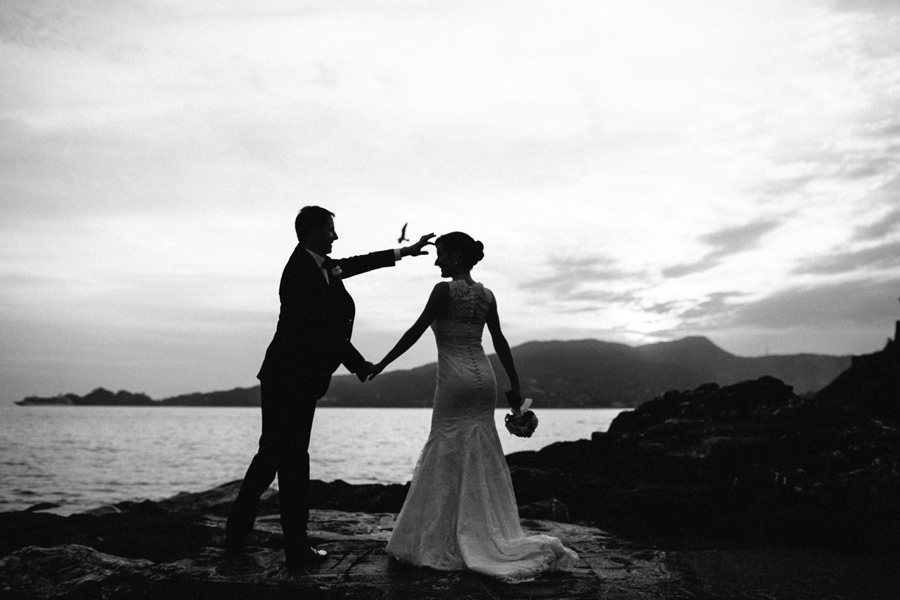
<point x="319" y="259"/>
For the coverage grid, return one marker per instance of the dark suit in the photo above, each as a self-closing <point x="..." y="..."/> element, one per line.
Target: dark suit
<point x="312" y="339"/>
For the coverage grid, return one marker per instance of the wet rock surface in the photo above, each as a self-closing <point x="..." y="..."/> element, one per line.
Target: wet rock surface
<point x="172" y="549"/>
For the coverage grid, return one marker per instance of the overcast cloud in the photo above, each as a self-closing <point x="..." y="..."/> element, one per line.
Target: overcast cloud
<point x="637" y="171"/>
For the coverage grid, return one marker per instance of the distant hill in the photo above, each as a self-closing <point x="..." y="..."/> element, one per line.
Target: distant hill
<point x="235" y="397"/>
<point x="560" y="374"/>
<point x="592" y="374"/>
<point x="806" y="372"/>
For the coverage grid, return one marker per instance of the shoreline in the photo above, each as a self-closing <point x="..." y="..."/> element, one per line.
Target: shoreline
<point x="744" y="491"/>
<point x="178" y="554"/>
<point x="172" y="548"/>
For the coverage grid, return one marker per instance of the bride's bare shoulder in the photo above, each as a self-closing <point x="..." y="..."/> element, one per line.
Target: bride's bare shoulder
<point x="441" y="290"/>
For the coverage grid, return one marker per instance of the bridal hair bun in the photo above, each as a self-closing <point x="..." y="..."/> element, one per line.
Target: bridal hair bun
<point x="472" y="251"/>
<point x="479" y="251"/>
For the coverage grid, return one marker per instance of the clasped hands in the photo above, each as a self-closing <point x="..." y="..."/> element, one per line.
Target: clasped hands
<point x="368" y="371"/>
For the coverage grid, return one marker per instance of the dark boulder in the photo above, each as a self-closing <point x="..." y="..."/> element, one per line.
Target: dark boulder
<point x="752" y="461"/>
<point x="872" y="383"/>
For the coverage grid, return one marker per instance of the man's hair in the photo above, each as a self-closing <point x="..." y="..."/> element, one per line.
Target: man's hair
<point x="309" y="218"/>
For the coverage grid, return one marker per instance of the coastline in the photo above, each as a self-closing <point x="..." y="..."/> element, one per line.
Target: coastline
<point x="178" y="554"/>
<point x="172" y="549"/>
<point x="562" y="374"/>
<point x="746" y="491"/>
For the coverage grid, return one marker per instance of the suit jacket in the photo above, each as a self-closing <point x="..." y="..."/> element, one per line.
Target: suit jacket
<point x="315" y="322"/>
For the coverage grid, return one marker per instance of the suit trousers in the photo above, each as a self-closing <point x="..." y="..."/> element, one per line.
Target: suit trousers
<point x="287" y="417"/>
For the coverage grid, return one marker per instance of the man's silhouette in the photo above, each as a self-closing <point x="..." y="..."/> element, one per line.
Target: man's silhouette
<point x="311" y="340"/>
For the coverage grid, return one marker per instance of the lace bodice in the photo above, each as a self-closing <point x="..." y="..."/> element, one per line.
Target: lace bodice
<point x="465" y="313"/>
<point x="466" y="386"/>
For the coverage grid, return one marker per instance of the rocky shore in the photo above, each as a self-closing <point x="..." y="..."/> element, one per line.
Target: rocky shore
<point x="749" y="462"/>
<point x="744" y="491"/>
<point x="172" y="549"/>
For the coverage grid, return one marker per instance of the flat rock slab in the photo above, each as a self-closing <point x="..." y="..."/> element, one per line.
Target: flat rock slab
<point x="357" y="567"/>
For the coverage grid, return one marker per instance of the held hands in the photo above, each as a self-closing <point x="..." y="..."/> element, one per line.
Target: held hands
<point x="417" y="249"/>
<point x="376" y="369"/>
<point x="363" y="372"/>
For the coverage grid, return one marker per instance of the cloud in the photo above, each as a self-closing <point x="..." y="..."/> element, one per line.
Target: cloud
<point x="881" y="257"/>
<point x="725" y="242"/>
<point x="568" y="275"/>
<point x="152" y="156"/>
<point x="689" y="268"/>
<point x="885" y="198"/>
<point x="881" y="228"/>
<point x="715" y="306"/>
<point x="28" y="23"/>
<point x="86" y="26"/>
<point x="864" y="6"/>
<point x="709" y="315"/>
<point x="828" y="306"/>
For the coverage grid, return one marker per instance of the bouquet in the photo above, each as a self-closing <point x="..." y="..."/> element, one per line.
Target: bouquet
<point x="521" y="422"/>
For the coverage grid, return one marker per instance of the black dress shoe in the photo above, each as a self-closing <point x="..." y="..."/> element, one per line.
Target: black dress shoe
<point x="304" y="558"/>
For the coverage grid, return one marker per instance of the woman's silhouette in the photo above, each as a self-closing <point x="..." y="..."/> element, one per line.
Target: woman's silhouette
<point x="461" y="511"/>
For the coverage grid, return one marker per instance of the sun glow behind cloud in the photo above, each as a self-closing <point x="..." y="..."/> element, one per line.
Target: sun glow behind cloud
<point x="638" y="172"/>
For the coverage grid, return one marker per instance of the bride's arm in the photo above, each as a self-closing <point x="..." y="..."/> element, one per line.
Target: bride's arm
<point x="501" y="347"/>
<point x="439" y="296"/>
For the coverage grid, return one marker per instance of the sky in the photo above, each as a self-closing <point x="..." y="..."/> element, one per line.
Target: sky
<point x="638" y="172"/>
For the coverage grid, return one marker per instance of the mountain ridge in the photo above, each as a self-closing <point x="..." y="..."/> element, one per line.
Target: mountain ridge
<point x="586" y="373"/>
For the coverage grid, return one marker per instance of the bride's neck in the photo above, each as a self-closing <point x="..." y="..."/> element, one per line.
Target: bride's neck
<point x="467" y="277"/>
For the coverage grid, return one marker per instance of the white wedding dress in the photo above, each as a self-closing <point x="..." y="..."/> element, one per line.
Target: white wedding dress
<point x="461" y="511"/>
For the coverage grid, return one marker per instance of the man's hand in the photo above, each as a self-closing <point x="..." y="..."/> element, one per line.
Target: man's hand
<point x="364" y="371"/>
<point x="376" y="369"/>
<point x="417" y="249"/>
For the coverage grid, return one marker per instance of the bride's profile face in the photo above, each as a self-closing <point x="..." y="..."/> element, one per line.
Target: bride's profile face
<point x="447" y="262"/>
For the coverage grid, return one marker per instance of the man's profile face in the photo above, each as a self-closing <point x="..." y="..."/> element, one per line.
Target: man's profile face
<point x="321" y="238"/>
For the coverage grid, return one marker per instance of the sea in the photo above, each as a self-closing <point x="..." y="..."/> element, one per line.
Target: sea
<point x="82" y="457"/>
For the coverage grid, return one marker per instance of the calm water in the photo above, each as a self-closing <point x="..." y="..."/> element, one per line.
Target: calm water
<point x="83" y="457"/>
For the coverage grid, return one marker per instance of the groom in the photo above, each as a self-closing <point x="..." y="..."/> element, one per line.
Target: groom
<point x="311" y="340"/>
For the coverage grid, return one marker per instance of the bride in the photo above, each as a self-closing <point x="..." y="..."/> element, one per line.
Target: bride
<point x="461" y="511"/>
